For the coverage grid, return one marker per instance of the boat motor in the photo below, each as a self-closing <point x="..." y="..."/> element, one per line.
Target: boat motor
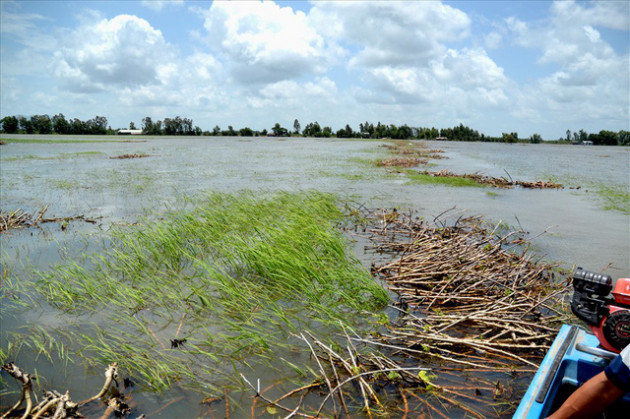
<point x="608" y="318"/>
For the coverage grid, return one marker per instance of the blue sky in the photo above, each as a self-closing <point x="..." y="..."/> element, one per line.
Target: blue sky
<point x="496" y="66"/>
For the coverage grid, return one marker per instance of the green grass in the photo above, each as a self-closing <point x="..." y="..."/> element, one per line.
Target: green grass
<point x="615" y="197"/>
<point x="64" y="184"/>
<point x="239" y="273"/>
<point x="59" y="157"/>
<point x="422" y="179"/>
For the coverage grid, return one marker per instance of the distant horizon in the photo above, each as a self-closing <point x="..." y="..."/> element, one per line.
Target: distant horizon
<point x="502" y="66"/>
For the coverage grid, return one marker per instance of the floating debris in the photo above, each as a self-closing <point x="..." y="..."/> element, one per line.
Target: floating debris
<point x="130" y="156"/>
<point x="477" y="295"/>
<point x="60" y="405"/>
<point x="21" y="219"/>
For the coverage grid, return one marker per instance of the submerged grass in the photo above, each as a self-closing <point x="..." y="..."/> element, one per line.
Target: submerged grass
<point x="616" y="198"/>
<point x="59" y="157"/>
<point x="233" y="274"/>
<point x="426" y="179"/>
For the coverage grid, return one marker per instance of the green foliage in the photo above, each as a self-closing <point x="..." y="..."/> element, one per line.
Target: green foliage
<point x="10" y="124"/>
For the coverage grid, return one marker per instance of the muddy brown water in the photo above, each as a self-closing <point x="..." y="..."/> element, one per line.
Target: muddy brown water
<point x="571" y="226"/>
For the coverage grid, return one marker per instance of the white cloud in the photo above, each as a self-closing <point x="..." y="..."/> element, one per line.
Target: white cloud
<point x="124" y="51"/>
<point x="591" y="78"/>
<point x="493" y="40"/>
<point x="158" y="5"/>
<point x="391" y="33"/>
<point x="264" y="42"/>
<point x="288" y="93"/>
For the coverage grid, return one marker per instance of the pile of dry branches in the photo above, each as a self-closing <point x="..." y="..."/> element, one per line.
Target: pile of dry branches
<point x="130" y="156"/>
<point x="56" y="405"/>
<point x="478" y="296"/>
<point x="19" y="219"/>
<point x="348" y="381"/>
<point x="496" y="182"/>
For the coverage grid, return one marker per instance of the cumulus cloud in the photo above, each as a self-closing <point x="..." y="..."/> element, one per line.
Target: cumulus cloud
<point x="125" y="51"/>
<point x="264" y="42"/>
<point x="158" y="5"/>
<point x="468" y="73"/>
<point x="391" y="33"/>
<point x="591" y="78"/>
<point x="288" y="93"/>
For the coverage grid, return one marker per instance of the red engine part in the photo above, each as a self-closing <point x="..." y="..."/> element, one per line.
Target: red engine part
<point x="621" y="292"/>
<point x="613" y="332"/>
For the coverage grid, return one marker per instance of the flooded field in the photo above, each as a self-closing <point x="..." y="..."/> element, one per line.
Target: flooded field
<point x="234" y="180"/>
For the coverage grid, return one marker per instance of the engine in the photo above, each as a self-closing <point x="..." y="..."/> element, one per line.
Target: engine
<point x="608" y="317"/>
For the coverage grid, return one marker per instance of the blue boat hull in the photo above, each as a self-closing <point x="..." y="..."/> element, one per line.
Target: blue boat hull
<point x="574" y="357"/>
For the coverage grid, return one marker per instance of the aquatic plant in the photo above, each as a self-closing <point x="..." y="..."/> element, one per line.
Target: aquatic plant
<point x="230" y="274"/>
<point x="614" y="197"/>
<point x="428" y="179"/>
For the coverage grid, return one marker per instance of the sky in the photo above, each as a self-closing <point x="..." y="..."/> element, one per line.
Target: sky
<point x="496" y="66"/>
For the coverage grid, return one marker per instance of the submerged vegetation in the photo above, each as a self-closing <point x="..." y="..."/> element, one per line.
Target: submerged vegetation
<point x="211" y="295"/>
<point x="232" y="275"/>
<point x="614" y="197"/>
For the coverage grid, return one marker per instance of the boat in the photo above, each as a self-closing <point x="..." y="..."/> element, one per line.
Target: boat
<point x="577" y="354"/>
<point x="574" y="357"/>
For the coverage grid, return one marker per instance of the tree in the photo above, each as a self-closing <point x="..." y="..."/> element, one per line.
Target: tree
<point x="296" y="126"/>
<point x="508" y="138"/>
<point x="60" y="125"/>
<point x="279" y="130"/>
<point x="216" y="130"/>
<point x="26" y="125"/>
<point x="246" y="132"/>
<point x="583" y="136"/>
<point x="147" y="125"/>
<point x="535" y="138"/>
<point x="10" y="124"/>
<point x="608" y="137"/>
<point x="41" y="124"/>
<point x="97" y="125"/>
<point x="624" y="137"/>
<point x="569" y="135"/>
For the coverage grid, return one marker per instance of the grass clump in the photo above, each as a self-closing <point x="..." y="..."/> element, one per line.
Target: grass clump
<point x="427" y="179"/>
<point x="616" y="198"/>
<point x="232" y="274"/>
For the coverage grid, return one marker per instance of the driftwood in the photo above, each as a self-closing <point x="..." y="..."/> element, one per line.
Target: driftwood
<point x="21" y="219"/>
<point x="358" y="372"/>
<point x="130" y="156"/>
<point x="59" y="404"/>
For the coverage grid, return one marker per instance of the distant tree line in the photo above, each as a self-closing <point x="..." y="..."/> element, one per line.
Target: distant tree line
<point x="604" y="137"/>
<point x="43" y="124"/>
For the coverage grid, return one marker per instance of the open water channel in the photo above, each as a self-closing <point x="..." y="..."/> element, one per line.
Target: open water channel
<point x="583" y="224"/>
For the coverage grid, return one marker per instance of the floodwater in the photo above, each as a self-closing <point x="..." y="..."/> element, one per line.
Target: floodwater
<point x="571" y="226"/>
